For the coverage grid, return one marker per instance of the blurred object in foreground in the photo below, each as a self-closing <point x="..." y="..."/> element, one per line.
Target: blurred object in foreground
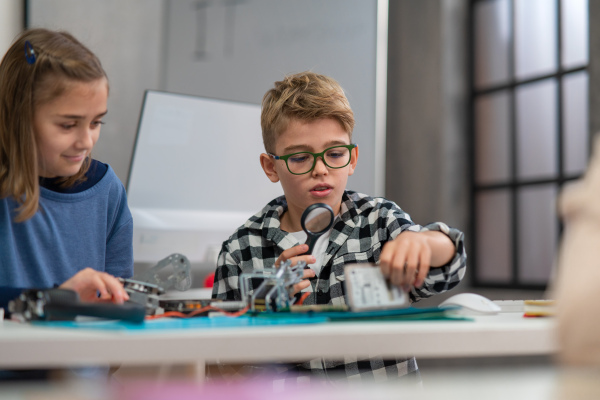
<point x="576" y="286"/>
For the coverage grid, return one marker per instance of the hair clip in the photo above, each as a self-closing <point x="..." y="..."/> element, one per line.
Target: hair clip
<point x="29" y="53"/>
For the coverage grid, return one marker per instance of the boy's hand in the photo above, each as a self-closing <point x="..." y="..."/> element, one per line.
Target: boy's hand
<point x="89" y="282"/>
<point x="294" y="254"/>
<point x="406" y="260"/>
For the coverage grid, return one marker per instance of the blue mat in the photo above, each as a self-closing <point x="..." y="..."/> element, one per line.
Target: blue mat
<point x="260" y="319"/>
<point x="182" y="323"/>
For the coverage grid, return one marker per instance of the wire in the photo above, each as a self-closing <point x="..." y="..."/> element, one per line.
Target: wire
<point x="199" y="311"/>
<point x="302" y="298"/>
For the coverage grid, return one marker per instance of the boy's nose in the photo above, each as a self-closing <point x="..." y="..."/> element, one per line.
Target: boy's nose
<point x="320" y="167"/>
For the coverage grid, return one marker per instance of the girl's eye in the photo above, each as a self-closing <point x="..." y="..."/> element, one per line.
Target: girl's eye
<point x="97" y="123"/>
<point x="67" y="126"/>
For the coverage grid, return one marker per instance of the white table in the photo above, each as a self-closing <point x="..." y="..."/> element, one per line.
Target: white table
<point x="505" y="334"/>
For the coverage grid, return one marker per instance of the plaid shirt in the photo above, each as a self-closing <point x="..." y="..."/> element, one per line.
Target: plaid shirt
<point x="364" y="225"/>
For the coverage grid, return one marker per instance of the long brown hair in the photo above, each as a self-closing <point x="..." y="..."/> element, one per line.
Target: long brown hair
<point x="35" y="70"/>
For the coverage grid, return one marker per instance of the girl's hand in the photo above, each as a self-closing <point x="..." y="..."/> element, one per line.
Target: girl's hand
<point x="89" y="282"/>
<point x="294" y="254"/>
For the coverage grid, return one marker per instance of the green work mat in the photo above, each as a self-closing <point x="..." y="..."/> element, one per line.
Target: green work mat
<point x="397" y="314"/>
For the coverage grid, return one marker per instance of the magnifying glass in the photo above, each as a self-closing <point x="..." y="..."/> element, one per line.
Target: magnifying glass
<point x="316" y="220"/>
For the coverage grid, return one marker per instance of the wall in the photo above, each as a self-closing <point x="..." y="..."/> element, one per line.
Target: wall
<point x="127" y="37"/>
<point x="226" y="50"/>
<point x="427" y="148"/>
<point x="11" y="22"/>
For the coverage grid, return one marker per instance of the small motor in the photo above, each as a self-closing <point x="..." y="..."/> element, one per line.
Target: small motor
<point x="143" y="293"/>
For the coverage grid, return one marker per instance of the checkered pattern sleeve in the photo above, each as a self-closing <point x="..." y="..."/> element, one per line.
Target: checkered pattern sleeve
<point x="227" y="275"/>
<point x="253" y="247"/>
<point x="439" y="279"/>
<point x="446" y="277"/>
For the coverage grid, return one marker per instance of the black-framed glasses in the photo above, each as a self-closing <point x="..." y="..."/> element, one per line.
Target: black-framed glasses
<point x="303" y="162"/>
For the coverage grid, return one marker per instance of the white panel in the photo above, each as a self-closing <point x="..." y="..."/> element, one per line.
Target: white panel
<point x="195" y="175"/>
<point x="379" y="155"/>
<point x="535" y="38"/>
<point x="575" y="40"/>
<point x="492" y="138"/>
<point x="492" y="39"/>
<point x="195" y="153"/>
<point x="494" y="246"/>
<point x="575" y="122"/>
<point x="537" y="233"/>
<point x="536" y="130"/>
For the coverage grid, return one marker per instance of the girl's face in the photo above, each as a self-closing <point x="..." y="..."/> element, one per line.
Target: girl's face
<point x="67" y="128"/>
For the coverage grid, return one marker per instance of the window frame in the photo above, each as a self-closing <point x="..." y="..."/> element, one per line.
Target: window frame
<point x="515" y="183"/>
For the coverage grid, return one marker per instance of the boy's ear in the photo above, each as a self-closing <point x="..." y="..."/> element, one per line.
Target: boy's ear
<point x="353" y="160"/>
<point x="268" y="165"/>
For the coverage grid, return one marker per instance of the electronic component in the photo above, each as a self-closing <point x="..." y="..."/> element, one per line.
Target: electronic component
<point x="185" y="306"/>
<point x="143" y="293"/>
<point x="229" y="306"/>
<point x="271" y="290"/>
<point x="145" y="287"/>
<point x="173" y="271"/>
<point x="367" y="289"/>
<point x="64" y="305"/>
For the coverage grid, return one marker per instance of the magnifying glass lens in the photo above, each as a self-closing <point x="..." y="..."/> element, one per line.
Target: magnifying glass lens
<point x="316" y="220"/>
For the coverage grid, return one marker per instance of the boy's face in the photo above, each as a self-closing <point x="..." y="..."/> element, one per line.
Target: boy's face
<point x="322" y="184"/>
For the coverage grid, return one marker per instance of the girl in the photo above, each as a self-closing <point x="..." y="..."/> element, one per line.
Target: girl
<point x="64" y="219"/>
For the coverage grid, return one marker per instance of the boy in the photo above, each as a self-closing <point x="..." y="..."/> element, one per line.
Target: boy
<point x="307" y="128"/>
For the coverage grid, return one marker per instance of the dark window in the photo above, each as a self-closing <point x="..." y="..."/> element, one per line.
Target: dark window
<point x="530" y="132"/>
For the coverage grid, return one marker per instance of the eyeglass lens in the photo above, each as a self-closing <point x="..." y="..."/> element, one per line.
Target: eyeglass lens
<point x="336" y="157"/>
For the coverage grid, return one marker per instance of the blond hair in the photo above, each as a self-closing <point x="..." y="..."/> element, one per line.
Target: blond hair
<point x="305" y="96"/>
<point x="36" y="69"/>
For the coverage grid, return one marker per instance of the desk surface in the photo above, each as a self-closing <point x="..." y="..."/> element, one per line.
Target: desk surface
<point x="505" y="334"/>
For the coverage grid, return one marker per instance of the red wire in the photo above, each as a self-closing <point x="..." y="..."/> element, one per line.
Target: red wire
<point x="208" y="308"/>
<point x="199" y="311"/>
<point x="303" y="297"/>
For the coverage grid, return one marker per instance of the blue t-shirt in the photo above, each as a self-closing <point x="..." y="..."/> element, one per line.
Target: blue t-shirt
<point x="88" y="225"/>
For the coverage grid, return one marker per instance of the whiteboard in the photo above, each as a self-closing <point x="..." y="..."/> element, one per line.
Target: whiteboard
<point x="195" y="175"/>
<point x="196" y="153"/>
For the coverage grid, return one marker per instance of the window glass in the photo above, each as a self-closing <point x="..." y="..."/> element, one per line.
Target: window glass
<point x="492" y="40"/>
<point x="536" y="130"/>
<point x="492" y="140"/>
<point x="575" y="122"/>
<point x="537" y="233"/>
<point x="535" y="38"/>
<point x="574" y="19"/>
<point x="494" y="246"/>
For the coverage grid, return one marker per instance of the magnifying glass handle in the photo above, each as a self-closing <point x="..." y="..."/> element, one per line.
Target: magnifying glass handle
<point x="311" y="240"/>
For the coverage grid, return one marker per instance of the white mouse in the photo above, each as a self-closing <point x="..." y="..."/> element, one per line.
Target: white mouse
<point x="472" y="304"/>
